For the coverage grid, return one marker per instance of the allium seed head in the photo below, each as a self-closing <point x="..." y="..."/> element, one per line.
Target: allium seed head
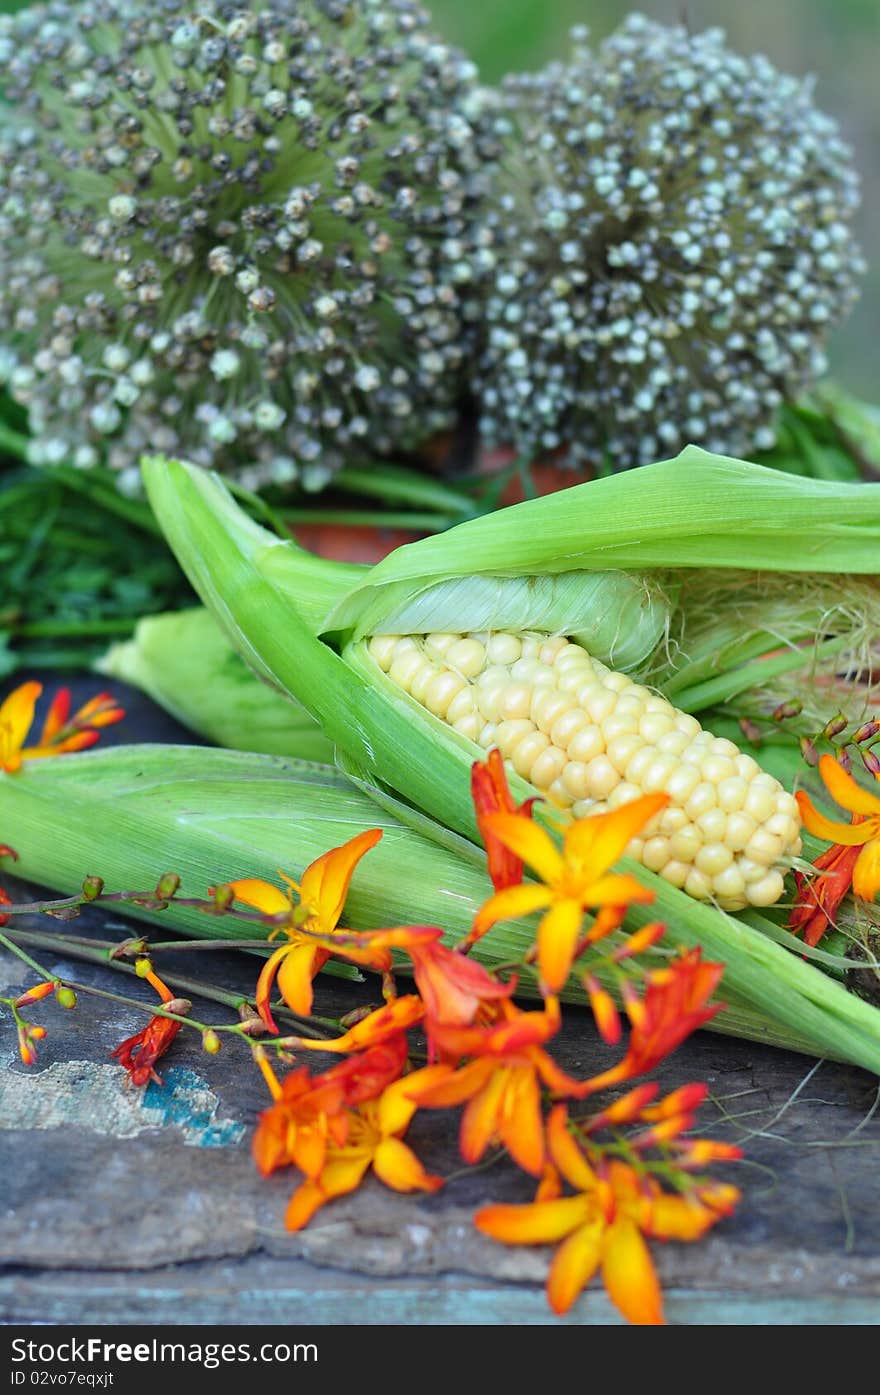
<point x="673" y="247"/>
<point x="240" y="209"/>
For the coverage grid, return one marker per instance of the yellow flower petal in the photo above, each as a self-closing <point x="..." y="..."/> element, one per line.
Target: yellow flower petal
<point x="16" y="717"/>
<point x="305" y="1201"/>
<point x="866" y="873"/>
<point x="525" y="838"/>
<point x="573" y="1266"/>
<point x="557" y="940"/>
<point x="263" y="896"/>
<point x="677" y="1217"/>
<point x="479" y="1122"/>
<point x="397" y="1106"/>
<point x="295" y="976"/>
<point x="844" y="790"/>
<point x="629" y="1274"/>
<point x="325" y="881"/>
<point x="566" y="1154"/>
<point x="617" y="889"/>
<point x="398" y="1167"/>
<point x="598" y="841"/>
<point x="344" y="1172"/>
<point x="849" y="835"/>
<point x="521" y="1123"/>
<point x="540" y="1223"/>
<point x="264" y="985"/>
<point x="513" y="901"/>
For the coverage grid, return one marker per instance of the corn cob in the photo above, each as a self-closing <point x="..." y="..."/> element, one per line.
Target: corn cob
<point x="591" y="739"/>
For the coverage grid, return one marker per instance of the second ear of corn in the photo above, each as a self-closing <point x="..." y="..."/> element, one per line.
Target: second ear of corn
<point x="132" y="813"/>
<point x="591" y="739"/>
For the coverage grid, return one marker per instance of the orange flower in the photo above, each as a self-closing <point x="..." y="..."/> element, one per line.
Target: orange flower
<point x="381" y="1025"/>
<point x="60" y="733"/>
<point x="308" y="1114"/>
<point x="502" y="1085"/>
<point x="321" y="897"/>
<point x="491" y="795"/>
<point x="295" y="1128"/>
<point x="818" y="899"/>
<point x="604" y="1225"/>
<point x="27" y="1036"/>
<point x="451" y="986"/>
<point x="672" y="1008"/>
<point x="574" y="880"/>
<point x="862" y="833"/>
<point x="6" y="851"/>
<point x="139" y="1054"/>
<point x="373" y="1139"/>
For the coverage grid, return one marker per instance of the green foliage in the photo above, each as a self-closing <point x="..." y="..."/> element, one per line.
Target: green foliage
<point x="74" y="572"/>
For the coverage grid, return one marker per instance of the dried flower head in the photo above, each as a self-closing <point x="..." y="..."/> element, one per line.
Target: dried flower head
<point x="237" y="233"/>
<point x="675" y="247"/>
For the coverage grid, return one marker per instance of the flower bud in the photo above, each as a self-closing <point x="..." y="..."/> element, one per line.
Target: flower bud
<point x="808" y="751"/>
<point x="835" y="726"/>
<point x="167" y="886"/>
<point x="92" y="888"/>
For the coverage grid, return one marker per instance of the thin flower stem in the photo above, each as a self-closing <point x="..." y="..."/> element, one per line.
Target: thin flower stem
<point x="61" y="945"/>
<point x="151" y="1009"/>
<point x="73" y="903"/>
<point x="200" y="944"/>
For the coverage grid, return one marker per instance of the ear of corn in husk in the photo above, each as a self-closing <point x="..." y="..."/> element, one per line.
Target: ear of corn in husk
<point x="183" y="661"/>
<point x="130" y="814"/>
<point x="547" y="563"/>
<point x="700" y="509"/>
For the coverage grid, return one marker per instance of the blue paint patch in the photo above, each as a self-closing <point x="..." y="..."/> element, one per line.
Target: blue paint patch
<point x="185" y="1100"/>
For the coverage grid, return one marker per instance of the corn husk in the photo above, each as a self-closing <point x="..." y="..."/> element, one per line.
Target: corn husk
<point x="693" y="511"/>
<point x="183" y="661"/>
<point x="298" y="620"/>
<point x="130" y="814"/>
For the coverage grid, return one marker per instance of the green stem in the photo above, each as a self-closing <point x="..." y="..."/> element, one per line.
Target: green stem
<point x="13" y="441"/>
<point x="60" y="945"/>
<point x="405" y="486"/>
<point x="51" y="629"/>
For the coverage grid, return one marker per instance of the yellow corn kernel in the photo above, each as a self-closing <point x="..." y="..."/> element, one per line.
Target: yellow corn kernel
<point x="589" y="739"/>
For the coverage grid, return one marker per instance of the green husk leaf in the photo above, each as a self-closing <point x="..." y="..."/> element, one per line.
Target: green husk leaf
<point x="182" y="660"/>
<point x="130" y="814"/>
<point x="698" y="510"/>
<point x="618" y="617"/>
